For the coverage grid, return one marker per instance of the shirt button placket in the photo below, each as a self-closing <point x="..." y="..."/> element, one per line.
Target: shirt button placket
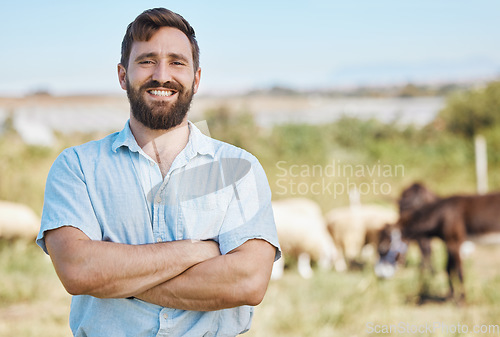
<point x="165" y="323"/>
<point x="157" y="202"/>
<point x="158" y="207"/>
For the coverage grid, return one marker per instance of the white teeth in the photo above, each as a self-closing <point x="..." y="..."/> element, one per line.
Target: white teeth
<point x="163" y="93"/>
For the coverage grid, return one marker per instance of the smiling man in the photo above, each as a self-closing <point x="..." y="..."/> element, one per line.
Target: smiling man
<point x="158" y="230"/>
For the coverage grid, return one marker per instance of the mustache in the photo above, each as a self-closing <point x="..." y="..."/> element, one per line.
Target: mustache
<point x="166" y="85"/>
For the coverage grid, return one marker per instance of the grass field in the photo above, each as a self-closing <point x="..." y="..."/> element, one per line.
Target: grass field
<point x="356" y="303"/>
<point x="33" y="302"/>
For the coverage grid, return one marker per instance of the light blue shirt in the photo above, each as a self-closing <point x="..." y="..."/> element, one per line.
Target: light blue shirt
<point x="113" y="191"/>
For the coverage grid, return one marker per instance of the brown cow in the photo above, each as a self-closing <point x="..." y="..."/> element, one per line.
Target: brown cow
<point x="451" y="219"/>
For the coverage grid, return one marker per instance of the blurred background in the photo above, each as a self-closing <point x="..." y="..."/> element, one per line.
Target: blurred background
<point x="331" y="97"/>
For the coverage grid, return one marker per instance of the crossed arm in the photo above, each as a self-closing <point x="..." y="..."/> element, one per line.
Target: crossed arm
<point x="186" y="274"/>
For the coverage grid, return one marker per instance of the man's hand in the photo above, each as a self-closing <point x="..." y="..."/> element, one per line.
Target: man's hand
<point x="114" y="270"/>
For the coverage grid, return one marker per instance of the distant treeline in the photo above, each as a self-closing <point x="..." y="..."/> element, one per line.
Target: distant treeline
<point x="403" y="90"/>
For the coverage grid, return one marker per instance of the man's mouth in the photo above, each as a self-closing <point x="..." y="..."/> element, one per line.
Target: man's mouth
<point x="161" y="92"/>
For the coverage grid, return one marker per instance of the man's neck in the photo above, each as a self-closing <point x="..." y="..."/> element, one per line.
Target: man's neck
<point x="161" y="145"/>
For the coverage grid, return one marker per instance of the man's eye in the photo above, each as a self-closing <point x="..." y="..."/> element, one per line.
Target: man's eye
<point x="177" y="63"/>
<point x="146" y="62"/>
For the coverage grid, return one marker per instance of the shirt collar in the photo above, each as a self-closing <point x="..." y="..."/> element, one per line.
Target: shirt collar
<point x="125" y="138"/>
<point x="198" y="143"/>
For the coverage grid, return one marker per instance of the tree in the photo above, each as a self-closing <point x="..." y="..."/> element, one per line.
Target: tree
<point x="471" y="112"/>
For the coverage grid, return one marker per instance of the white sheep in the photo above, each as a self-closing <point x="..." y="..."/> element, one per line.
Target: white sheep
<point x="303" y="235"/>
<point x="18" y="221"/>
<point x="353" y="227"/>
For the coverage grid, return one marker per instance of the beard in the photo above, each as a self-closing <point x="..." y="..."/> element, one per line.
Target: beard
<point x="158" y="115"/>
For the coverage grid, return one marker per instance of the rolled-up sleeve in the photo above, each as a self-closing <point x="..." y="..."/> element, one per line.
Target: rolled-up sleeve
<point x="66" y="200"/>
<point x="249" y="215"/>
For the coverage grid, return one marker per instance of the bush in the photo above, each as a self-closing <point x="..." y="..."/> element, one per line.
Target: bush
<point x="471" y="112"/>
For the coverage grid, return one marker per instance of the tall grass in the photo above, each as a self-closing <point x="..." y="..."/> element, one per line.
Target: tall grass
<point x="442" y="160"/>
<point x="350" y="304"/>
<point x="32" y="300"/>
<point x="33" y="303"/>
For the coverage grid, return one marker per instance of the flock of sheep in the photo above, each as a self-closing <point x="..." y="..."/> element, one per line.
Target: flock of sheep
<point x="334" y="240"/>
<point x="18" y="222"/>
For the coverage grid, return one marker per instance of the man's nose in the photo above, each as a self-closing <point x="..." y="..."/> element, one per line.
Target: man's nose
<point x="162" y="73"/>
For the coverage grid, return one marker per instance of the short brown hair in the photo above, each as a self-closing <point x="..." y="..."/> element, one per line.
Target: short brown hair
<point x="148" y="23"/>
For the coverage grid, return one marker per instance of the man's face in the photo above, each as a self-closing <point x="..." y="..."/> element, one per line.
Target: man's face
<point x="160" y="79"/>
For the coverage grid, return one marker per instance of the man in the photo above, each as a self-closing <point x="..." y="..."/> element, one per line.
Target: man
<point x="159" y="230"/>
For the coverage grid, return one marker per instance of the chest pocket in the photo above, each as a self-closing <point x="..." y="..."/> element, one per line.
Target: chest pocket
<point x="201" y="218"/>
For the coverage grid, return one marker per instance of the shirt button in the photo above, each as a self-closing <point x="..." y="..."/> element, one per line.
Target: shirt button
<point x="165" y="316"/>
<point x="152" y="163"/>
<point x="159" y="240"/>
<point x="158" y="200"/>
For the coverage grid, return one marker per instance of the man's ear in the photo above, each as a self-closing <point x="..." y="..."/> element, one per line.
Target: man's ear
<point x="122" y="74"/>
<point x="197" y="77"/>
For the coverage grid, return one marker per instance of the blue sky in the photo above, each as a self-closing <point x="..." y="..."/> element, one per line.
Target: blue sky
<point x="73" y="47"/>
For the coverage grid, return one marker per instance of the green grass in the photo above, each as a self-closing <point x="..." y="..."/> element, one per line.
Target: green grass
<point x="347" y="304"/>
<point x="33" y="302"/>
<point x="20" y="265"/>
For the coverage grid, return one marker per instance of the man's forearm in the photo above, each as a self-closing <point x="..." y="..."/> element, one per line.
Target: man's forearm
<point x="227" y="281"/>
<point x="107" y="270"/>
